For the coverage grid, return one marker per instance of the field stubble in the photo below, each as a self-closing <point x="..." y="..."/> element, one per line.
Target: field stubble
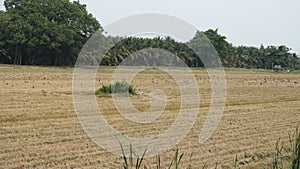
<point x="39" y="126"/>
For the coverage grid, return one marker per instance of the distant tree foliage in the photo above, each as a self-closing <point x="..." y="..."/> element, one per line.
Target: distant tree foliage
<point x="53" y="32"/>
<point x="239" y="57"/>
<point x="133" y="47"/>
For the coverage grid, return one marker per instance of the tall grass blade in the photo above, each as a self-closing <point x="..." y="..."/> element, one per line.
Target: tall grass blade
<point x="295" y="144"/>
<point x="158" y="161"/>
<point x="139" y="162"/>
<point x="130" y="157"/>
<point x="125" y="165"/>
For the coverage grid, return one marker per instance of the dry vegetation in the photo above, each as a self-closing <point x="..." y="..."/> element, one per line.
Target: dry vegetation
<point x="39" y="127"/>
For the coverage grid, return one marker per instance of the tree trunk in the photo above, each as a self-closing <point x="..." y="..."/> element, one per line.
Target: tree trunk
<point x="18" y="56"/>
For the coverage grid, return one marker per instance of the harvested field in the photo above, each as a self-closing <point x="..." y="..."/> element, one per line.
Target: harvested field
<point x="40" y="129"/>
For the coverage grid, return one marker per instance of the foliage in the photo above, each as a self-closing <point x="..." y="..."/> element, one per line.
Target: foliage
<point x="239" y="57"/>
<point x="279" y="157"/>
<point x="118" y="87"/>
<point x="295" y="145"/>
<point x="128" y="163"/>
<point x="132" y="49"/>
<point x="43" y="32"/>
<point x="264" y="58"/>
<point x="220" y="44"/>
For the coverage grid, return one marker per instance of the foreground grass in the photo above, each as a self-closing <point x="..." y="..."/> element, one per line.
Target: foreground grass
<point x="279" y="161"/>
<point x="131" y="162"/>
<point x="279" y="157"/>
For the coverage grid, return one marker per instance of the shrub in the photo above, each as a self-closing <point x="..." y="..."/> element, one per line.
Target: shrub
<point x="119" y="87"/>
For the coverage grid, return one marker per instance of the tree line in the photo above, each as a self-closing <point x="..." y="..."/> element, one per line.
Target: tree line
<point x="53" y="32"/>
<point x="231" y="56"/>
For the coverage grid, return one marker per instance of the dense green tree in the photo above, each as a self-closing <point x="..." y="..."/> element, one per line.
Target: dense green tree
<point x="220" y="44"/>
<point x="45" y="32"/>
<point x="4" y="20"/>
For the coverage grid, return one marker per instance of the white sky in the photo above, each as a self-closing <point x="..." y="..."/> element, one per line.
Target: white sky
<point x="243" y="22"/>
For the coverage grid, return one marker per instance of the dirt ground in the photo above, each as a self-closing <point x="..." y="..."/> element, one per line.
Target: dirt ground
<point x="40" y="129"/>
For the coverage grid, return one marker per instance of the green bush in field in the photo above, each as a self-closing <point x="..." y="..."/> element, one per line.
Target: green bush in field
<point x="119" y="87"/>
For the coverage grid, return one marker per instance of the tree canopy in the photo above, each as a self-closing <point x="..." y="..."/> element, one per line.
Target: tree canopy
<point x="53" y="32"/>
<point x="230" y="56"/>
<point x="44" y="32"/>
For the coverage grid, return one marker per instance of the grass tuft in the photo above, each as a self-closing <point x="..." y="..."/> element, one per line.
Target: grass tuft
<point x="117" y="88"/>
<point x="279" y="157"/>
<point x="128" y="162"/>
<point x="295" y="145"/>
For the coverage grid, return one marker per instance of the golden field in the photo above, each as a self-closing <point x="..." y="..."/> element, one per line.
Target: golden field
<point x="40" y="129"/>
